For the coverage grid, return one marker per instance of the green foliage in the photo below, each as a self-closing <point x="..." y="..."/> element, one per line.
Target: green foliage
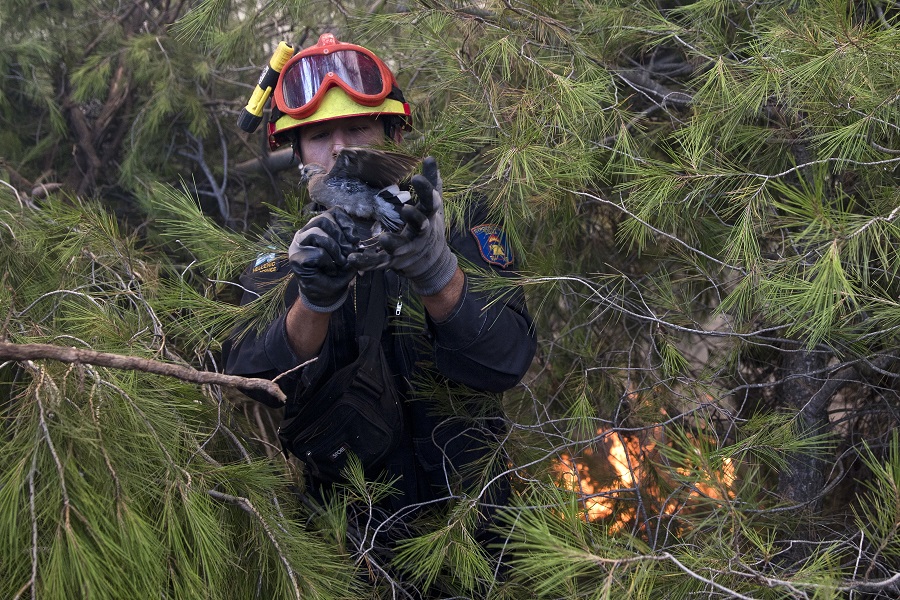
<point x="217" y="251"/>
<point x="878" y="513"/>
<point x="452" y="551"/>
<point x="558" y="536"/>
<point x="689" y="181"/>
<point x="118" y="483"/>
<point x="703" y="196"/>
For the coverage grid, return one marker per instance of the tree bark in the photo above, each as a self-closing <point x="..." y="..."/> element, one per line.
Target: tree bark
<point x="273" y="162"/>
<point x="804" y="392"/>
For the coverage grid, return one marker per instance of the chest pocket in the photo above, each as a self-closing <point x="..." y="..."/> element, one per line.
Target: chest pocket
<point x="356" y="411"/>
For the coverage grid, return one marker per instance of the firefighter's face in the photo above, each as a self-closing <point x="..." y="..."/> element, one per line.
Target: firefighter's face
<point x="321" y="142"/>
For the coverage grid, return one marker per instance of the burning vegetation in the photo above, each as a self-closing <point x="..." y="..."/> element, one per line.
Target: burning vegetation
<point x="618" y="477"/>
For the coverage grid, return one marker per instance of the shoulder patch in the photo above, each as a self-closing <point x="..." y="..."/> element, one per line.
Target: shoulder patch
<point x="492" y="244"/>
<point x="265" y="263"/>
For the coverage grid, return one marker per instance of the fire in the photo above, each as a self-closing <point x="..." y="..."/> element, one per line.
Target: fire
<point x="577" y="477"/>
<point x="608" y="475"/>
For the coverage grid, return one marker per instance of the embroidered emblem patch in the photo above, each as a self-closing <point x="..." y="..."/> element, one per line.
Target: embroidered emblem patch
<point x="492" y="243"/>
<point x="265" y="263"/>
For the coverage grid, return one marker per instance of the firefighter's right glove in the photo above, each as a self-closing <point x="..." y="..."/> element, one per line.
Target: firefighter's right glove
<point x="318" y="256"/>
<point x="419" y="251"/>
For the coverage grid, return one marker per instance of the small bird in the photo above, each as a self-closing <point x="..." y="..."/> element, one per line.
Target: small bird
<point x="357" y="183"/>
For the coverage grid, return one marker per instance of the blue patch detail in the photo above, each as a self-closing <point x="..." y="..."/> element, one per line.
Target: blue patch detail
<point x="493" y="245"/>
<point x="264" y="258"/>
<point x="265" y="263"/>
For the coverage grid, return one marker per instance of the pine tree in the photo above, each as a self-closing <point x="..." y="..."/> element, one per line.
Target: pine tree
<point x="702" y="196"/>
<point x="118" y="483"/>
<point x="715" y="190"/>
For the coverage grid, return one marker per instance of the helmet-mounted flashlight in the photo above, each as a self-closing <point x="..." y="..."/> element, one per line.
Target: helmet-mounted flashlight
<point x="251" y="115"/>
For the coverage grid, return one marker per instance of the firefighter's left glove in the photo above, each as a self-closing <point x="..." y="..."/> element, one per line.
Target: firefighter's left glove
<point x="318" y="256"/>
<point x="419" y="251"/>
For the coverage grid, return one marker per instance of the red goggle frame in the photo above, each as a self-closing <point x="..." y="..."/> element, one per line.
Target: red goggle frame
<point x="311" y="72"/>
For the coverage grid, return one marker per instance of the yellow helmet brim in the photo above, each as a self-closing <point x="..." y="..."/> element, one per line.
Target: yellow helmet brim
<point x="338" y="105"/>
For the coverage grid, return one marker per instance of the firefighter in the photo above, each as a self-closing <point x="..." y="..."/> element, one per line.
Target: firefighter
<point x="334" y="95"/>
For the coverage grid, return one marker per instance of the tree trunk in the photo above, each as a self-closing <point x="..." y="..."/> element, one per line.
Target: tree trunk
<point x="804" y="391"/>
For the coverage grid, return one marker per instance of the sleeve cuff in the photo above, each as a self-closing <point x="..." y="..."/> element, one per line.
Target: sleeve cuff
<point x="323" y="309"/>
<point x="464" y="325"/>
<point x="278" y="348"/>
<point x="279" y="352"/>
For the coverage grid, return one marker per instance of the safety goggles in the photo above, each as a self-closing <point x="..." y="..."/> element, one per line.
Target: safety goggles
<point x="308" y="75"/>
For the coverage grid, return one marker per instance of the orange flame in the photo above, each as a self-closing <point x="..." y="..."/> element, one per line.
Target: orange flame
<point x="620" y="460"/>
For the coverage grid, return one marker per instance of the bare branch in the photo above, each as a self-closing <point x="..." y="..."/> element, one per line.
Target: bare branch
<point x="218" y="190"/>
<point x="118" y="361"/>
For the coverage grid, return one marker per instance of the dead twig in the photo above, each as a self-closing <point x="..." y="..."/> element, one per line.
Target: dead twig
<point x="10" y="351"/>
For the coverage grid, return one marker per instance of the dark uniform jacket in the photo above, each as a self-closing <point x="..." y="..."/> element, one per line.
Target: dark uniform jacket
<point x="485" y="347"/>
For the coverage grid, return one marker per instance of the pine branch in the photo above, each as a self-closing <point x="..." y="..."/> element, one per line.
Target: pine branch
<point x="247" y="506"/>
<point x="12" y="351"/>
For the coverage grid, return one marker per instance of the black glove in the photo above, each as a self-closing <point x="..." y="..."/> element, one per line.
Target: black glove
<point x="318" y="256"/>
<point x="419" y="251"/>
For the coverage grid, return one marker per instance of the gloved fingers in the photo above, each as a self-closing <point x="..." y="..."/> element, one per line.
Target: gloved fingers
<point x="403" y="243"/>
<point x="425" y="196"/>
<point x="335" y="223"/>
<point x="432" y="173"/>
<point x="390" y="242"/>
<point x="309" y="260"/>
<point x="316" y="245"/>
<point x="325" y="222"/>
<point x="417" y="226"/>
<point x="368" y="260"/>
<point x="416" y="220"/>
<point x="326" y="236"/>
<point x="345" y="222"/>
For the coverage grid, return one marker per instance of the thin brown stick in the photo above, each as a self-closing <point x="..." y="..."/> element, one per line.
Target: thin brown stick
<point x="68" y="354"/>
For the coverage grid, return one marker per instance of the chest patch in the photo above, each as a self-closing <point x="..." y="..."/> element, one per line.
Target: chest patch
<point x="265" y="263"/>
<point x="493" y="245"/>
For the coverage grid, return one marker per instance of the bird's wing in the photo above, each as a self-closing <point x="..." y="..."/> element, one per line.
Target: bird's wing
<point x="378" y="168"/>
<point x="387" y="207"/>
